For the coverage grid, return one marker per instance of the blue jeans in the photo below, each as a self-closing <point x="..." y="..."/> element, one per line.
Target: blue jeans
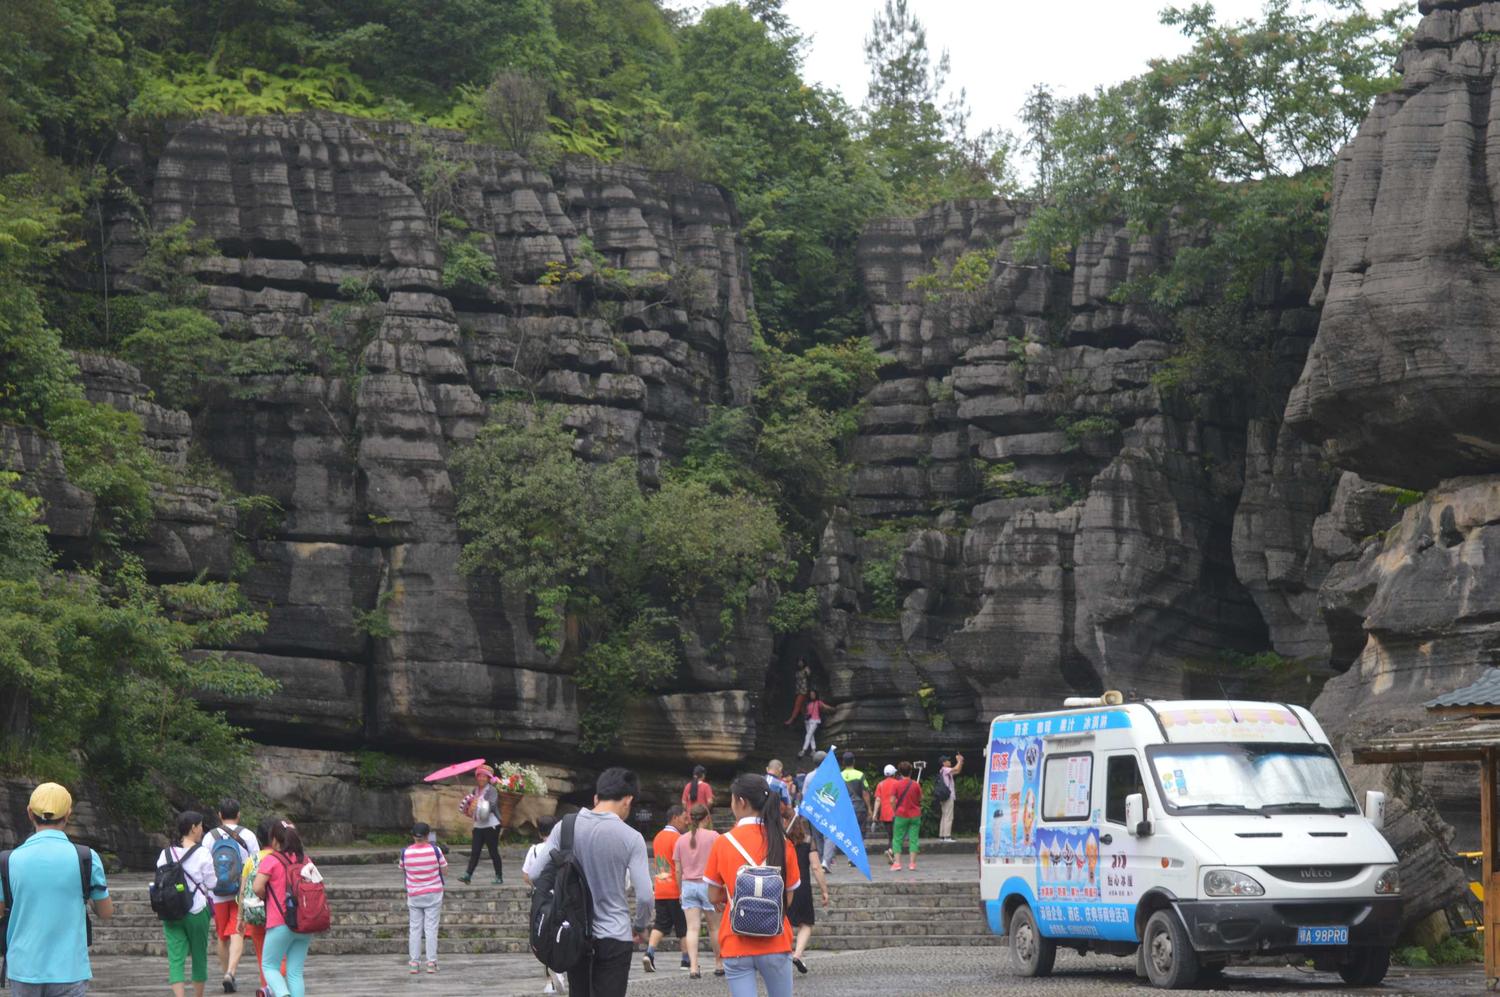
<point x="775" y="969"/>
<point x="284" y="943"/>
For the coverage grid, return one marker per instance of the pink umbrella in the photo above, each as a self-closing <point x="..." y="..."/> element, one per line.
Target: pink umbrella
<point x="453" y="770"/>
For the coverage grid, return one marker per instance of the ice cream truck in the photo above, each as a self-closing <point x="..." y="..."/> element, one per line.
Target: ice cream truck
<point x="1187" y="833"/>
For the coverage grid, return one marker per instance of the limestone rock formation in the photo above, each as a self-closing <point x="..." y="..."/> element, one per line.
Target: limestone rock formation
<point x="1065" y="521"/>
<point x="622" y="295"/>
<point x="1401" y="381"/>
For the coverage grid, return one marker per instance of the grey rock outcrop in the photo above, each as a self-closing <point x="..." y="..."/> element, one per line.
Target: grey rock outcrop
<point x="621" y="295"/>
<point x="1400" y="384"/>
<point x="1065" y="521"/>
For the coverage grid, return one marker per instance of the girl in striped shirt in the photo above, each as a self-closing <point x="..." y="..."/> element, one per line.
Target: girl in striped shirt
<point x="423" y="863"/>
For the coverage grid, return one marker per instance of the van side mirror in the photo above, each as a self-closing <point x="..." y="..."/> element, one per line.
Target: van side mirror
<point x="1135" y="815"/>
<point x="1375" y="808"/>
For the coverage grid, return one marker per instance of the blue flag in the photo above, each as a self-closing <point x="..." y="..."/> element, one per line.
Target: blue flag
<point x="826" y="806"/>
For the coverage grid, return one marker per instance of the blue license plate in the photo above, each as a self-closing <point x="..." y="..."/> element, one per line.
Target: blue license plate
<point x="1322" y="936"/>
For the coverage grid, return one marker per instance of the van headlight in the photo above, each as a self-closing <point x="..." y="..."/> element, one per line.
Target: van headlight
<point x="1389" y="882"/>
<point x="1231" y="883"/>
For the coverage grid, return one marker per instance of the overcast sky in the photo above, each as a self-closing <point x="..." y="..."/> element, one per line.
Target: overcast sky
<point x="1000" y="48"/>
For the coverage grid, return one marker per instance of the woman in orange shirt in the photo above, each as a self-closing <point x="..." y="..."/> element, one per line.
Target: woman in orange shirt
<point x="758" y="830"/>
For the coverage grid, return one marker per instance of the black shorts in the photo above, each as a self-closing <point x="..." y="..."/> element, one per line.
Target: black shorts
<point x="670" y="919"/>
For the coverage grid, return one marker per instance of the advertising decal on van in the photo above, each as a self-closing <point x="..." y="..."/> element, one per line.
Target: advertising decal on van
<point x="1082" y="890"/>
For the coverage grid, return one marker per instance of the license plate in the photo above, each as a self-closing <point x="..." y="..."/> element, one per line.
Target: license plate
<point x="1322" y="936"/>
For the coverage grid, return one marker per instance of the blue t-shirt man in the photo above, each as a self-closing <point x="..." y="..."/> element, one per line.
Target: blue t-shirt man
<point x="47" y="940"/>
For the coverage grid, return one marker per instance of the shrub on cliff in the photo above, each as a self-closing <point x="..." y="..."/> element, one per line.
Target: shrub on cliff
<point x="612" y="571"/>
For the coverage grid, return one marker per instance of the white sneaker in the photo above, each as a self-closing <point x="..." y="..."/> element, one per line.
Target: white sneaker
<point x="549" y="988"/>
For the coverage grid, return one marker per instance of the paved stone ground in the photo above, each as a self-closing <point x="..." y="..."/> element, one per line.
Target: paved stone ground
<point x="901" y="972"/>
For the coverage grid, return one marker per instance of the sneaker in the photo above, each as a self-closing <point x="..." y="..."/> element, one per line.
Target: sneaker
<point x="895" y="867"/>
<point x="946" y="841"/>
<point x="912" y="867"/>
<point x="413" y="968"/>
<point x="801" y="966"/>
<point x="549" y="988"/>
<point x="432" y="967"/>
<point x="465" y="878"/>
<point x="648" y="962"/>
<point x="229" y="985"/>
<point x="499" y="881"/>
<point x="686" y="962"/>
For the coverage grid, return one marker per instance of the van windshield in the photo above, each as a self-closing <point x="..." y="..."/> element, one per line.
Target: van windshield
<point x="1236" y="777"/>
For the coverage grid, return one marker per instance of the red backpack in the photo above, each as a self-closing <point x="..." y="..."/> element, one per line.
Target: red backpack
<point x="304" y="906"/>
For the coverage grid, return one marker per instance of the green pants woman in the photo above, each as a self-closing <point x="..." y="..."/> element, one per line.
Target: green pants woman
<point x="188" y="938"/>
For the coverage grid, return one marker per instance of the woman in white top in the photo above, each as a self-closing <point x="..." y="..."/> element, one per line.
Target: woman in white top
<point x="189" y="936"/>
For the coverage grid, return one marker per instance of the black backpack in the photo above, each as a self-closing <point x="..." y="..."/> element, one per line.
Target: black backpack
<point x="85" y="872"/>
<point x="562" y="908"/>
<point x="940" y="792"/>
<point x="172" y="889"/>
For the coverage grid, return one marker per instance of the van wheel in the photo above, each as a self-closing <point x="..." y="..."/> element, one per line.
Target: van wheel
<point x="1030" y="953"/>
<point x="1171" y="962"/>
<point x="1366" y="966"/>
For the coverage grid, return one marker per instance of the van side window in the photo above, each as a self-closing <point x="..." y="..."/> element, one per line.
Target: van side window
<point x="1066" y="786"/>
<point x="1123" y="778"/>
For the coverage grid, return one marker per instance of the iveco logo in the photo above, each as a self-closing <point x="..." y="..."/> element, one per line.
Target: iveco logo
<point x="1311" y="873"/>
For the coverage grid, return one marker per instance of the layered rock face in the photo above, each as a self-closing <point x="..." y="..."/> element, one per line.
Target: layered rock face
<point x="331" y="257"/>
<point x="1066" y="524"/>
<point x="1400" y="384"/>
<point x="1399" y="388"/>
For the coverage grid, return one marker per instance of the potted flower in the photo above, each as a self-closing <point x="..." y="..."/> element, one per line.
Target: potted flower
<point x="513" y="782"/>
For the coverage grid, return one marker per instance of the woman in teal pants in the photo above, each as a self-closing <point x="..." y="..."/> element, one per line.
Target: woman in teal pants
<point x="272" y="881"/>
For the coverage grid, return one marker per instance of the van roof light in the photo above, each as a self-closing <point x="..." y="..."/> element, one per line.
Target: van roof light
<point x="1110" y="698"/>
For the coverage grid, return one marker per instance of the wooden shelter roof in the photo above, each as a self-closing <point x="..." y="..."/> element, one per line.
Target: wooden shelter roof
<point x="1453" y="739"/>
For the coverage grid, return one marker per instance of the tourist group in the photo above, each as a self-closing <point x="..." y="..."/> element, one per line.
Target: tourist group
<point x="218" y="880"/>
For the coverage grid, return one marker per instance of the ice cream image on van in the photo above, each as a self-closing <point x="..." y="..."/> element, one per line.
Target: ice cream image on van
<point x="1028" y="814"/>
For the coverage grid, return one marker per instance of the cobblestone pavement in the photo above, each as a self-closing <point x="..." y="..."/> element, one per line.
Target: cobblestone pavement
<point x="900" y="972"/>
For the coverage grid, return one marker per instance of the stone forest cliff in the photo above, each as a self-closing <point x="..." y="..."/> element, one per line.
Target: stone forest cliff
<point x="1036" y="509"/>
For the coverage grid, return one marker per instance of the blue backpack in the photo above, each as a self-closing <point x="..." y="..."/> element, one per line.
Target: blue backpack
<point x="757" y="902"/>
<point x="228" y="854"/>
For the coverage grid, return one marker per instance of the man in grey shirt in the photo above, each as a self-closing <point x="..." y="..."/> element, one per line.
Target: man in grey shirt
<point x="609" y="850"/>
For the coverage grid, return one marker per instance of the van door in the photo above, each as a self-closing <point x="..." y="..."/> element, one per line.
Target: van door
<point x="1129" y="865"/>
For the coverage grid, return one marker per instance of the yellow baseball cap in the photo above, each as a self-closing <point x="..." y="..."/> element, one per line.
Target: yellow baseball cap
<point x="49" y="801"/>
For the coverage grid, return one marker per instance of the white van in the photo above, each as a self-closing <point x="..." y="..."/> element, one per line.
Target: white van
<point x="1186" y="832"/>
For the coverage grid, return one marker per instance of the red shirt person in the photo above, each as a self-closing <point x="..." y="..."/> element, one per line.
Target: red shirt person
<point x="664" y="885"/>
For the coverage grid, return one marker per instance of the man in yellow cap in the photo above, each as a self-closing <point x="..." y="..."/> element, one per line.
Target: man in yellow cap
<point x="44" y="887"/>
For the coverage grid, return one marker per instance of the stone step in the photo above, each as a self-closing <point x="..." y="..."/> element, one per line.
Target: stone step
<point x="395" y="948"/>
<point x="360" y="919"/>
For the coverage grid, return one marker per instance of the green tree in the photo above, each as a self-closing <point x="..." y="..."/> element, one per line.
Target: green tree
<point x="785" y="150"/>
<point x="540" y="517"/>
<point x="919" y="139"/>
<point x="62" y="79"/>
<point x="1233" y="142"/>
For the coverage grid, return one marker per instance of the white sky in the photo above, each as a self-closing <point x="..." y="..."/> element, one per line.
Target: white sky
<point x="1000" y="48"/>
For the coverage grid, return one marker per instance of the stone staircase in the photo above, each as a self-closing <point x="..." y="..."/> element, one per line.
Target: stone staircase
<point x="372" y="920"/>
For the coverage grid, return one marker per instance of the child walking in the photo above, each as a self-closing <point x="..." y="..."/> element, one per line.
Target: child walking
<point x="423" y="863"/>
